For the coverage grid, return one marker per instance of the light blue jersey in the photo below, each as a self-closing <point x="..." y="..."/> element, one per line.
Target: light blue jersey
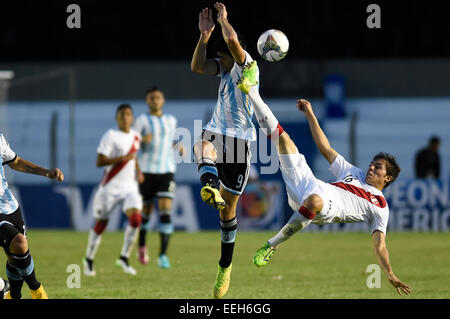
<point x="233" y="112"/>
<point x="157" y="157"/>
<point x="8" y="204"/>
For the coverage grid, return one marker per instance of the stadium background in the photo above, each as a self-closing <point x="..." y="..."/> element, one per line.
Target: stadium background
<point x="374" y="90"/>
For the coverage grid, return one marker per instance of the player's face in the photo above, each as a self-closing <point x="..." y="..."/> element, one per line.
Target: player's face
<point x="376" y="174"/>
<point x="225" y="61"/>
<point x="155" y="100"/>
<point x="124" y="119"/>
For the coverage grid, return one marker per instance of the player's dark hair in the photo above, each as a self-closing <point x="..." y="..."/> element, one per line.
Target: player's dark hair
<point x="152" y="89"/>
<point x="122" y="107"/>
<point x="392" y="167"/>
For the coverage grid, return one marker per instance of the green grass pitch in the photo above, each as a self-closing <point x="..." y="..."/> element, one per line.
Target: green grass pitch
<point x="310" y="265"/>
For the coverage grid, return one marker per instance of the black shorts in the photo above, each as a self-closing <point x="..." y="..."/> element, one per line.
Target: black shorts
<point x="7" y="234"/>
<point x="157" y="185"/>
<point x="233" y="160"/>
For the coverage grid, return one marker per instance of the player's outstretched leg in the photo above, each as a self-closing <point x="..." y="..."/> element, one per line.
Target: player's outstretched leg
<point x="298" y="221"/>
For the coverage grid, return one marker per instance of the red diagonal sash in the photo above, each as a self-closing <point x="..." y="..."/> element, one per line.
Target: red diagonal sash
<point x="118" y="167"/>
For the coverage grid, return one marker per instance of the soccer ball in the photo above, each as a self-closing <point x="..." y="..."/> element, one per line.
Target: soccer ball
<point x="273" y="45"/>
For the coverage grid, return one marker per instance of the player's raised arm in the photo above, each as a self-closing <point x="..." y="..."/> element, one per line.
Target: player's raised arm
<point x="22" y="165"/>
<point x="199" y="63"/>
<point x="229" y="35"/>
<point x="318" y="135"/>
<point x="379" y="244"/>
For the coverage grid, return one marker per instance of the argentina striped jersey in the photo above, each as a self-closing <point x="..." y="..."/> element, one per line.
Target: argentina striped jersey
<point x="233" y="112"/>
<point x="157" y="156"/>
<point x="8" y="204"/>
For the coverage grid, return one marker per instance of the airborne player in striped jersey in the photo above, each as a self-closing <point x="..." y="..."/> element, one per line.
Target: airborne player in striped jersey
<point x="119" y="185"/>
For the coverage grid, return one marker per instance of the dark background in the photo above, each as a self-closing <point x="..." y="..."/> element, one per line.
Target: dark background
<point x="168" y="30"/>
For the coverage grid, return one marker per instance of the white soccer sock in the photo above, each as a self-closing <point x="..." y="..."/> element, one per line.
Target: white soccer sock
<point x="128" y="240"/>
<point x="94" y="241"/>
<point x="263" y="114"/>
<point x="296" y="223"/>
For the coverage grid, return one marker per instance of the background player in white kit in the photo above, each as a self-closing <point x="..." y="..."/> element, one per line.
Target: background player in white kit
<point x="156" y="160"/>
<point x="20" y="264"/>
<point x="119" y="186"/>
<point x="223" y="151"/>
<point x="355" y="197"/>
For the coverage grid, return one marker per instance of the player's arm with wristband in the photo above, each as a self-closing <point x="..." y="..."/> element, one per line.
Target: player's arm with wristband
<point x="379" y="244"/>
<point x="199" y="63"/>
<point x="229" y="35"/>
<point x="318" y="135"/>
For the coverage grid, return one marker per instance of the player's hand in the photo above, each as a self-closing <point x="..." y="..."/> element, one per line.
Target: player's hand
<point x="128" y="157"/>
<point x="147" y="138"/>
<point x="140" y="177"/>
<point x="304" y="106"/>
<point x="56" y="174"/>
<point x="222" y="13"/>
<point x="398" y="285"/>
<point x="181" y="150"/>
<point x="205" y="23"/>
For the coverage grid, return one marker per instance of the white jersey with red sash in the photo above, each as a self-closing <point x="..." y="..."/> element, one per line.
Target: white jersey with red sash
<point x="115" y="143"/>
<point x="350" y="199"/>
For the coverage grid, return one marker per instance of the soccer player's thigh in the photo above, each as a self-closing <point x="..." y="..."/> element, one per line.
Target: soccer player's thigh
<point x="104" y="203"/>
<point x="148" y="192"/>
<point x="298" y="177"/>
<point x="233" y="179"/>
<point x="132" y="202"/>
<point x="166" y="191"/>
<point x="207" y="146"/>
<point x="12" y="233"/>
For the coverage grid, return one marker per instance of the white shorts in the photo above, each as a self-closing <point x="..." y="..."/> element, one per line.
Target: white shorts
<point x="301" y="182"/>
<point x="106" y="200"/>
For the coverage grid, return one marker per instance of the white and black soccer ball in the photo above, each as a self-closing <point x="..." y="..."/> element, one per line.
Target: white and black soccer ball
<point x="273" y="45"/>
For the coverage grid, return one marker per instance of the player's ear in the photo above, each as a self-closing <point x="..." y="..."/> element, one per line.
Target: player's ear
<point x="388" y="179"/>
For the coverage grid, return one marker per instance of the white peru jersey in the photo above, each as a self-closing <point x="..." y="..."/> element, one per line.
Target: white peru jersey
<point x="115" y="143"/>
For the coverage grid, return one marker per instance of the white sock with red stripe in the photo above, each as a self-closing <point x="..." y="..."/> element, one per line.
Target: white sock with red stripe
<point x="128" y="240"/>
<point x="264" y="115"/>
<point x="94" y="241"/>
<point x="296" y="223"/>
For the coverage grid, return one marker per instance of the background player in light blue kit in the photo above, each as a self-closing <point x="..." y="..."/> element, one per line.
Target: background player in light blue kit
<point x="157" y="162"/>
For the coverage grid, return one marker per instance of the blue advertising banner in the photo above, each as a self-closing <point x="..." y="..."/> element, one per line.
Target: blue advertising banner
<point x="50" y="206"/>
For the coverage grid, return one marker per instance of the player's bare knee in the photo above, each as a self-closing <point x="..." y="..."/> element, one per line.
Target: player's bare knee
<point x="204" y="149"/>
<point x="314" y="203"/>
<point x="18" y="245"/>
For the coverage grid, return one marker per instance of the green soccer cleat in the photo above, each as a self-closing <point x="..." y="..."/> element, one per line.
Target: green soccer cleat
<point x="248" y="78"/>
<point x="211" y="196"/>
<point x="263" y="255"/>
<point x="222" y="282"/>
